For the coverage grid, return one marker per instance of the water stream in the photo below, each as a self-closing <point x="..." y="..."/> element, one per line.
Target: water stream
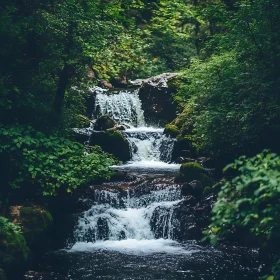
<point x="129" y="229"/>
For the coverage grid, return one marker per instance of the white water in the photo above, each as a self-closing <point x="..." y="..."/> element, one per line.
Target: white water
<point x="134" y="246"/>
<point x="132" y="223"/>
<point x="122" y="106"/>
<point x="150" y="148"/>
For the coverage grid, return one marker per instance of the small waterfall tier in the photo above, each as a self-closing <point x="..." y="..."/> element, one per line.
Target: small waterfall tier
<point x="135" y="217"/>
<point x="149" y="147"/>
<point x="123" y="106"/>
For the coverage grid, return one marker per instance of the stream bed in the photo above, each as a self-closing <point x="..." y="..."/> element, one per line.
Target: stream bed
<point x="136" y="228"/>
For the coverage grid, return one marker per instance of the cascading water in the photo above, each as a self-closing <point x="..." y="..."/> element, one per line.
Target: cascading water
<point x="129" y="218"/>
<point x="150" y="148"/>
<point x="131" y="228"/>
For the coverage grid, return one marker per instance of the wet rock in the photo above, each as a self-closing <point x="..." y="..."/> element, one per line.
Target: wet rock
<point x="156" y="98"/>
<point x="103" y="123"/>
<point x="187" y="228"/>
<point x="105" y="84"/>
<point x="81" y="135"/>
<point x="171" y="130"/>
<point x="190" y="201"/>
<point x="34" y="222"/>
<point x="14" y="252"/>
<point x="113" y="142"/>
<point x="194" y="188"/>
<point x="182" y="148"/>
<point x="121" y="127"/>
<point x="181" y="160"/>
<point x="207" y="191"/>
<point x="187" y="189"/>
<point x="192" y="171"/>
<point x="118" y="176"/>
<point x="102" y="229"/>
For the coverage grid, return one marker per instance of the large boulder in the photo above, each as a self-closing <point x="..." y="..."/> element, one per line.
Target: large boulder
<point x="103" y="123"/>
<point x="171" y="130"/>
<point x="191" y="171"/>
<point x="113" y="142"/>
<point x="156" y="96"/>
<point x="14" y="252"/>
<point x="34" y="221"/>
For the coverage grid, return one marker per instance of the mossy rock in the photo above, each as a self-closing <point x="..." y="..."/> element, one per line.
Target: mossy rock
<point x="103" y="123"/>
<point x="184" y="122"/>
<point x="118" y="176"/>
<point x="113" y="142"/>
<point x="171" y="130"/>
<point x="14" y="252"/>
<point x="207" y="191"/>
<point x="191" y="171"/>
<point x="205" y="180"/>
<point x="2" y="275"/>
<point x="34" y="221"/>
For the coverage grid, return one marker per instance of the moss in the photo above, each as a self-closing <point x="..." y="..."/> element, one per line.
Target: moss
<point x="14" y="252"/>
<point x="115" y="135"/>
<point x="113" y="142"/>
<point x="118" y="176"/>
<point x="207" y="191"/>
<point x="174" y="83"/>
<point x="103" y="123"/>
<point x="191" y="171"/>
<point x="205" y="180"/>
<point x="34" y="221"/>
<point x="171" y="130"/>
<point x="184" y="122"/>
<point x="2" y="275"/>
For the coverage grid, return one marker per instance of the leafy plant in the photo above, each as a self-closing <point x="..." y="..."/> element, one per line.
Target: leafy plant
<point x="6" y="225"/>
<point x="31" y="158"/>
<point x="251" y="199"/>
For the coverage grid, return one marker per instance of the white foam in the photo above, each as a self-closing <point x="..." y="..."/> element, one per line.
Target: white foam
<point x="153" y="164"/>
<point x="144" y="129"/>
<point x="134" y="246"/>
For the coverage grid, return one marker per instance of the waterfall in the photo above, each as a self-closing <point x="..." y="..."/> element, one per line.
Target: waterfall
<point x="123" y="106"/>
<point x="142" y="215"/>
<point x="149" y="147"/>
<point x="131" y="216"/>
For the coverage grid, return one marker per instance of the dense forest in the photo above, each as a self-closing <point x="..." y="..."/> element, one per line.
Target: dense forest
<point x="227" y="54"/>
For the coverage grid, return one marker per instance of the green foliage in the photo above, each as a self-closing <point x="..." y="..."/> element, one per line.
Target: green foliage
<point x="171" y="130"/>
<point x="192" y="171"/>
<point x="13" y="249"/>
<point x="5" y="224"/>
<point x="230" y="99"/>
<point x="31" y="158"/>
<point x="250" y="202"/>
<point x="251" y="199"/>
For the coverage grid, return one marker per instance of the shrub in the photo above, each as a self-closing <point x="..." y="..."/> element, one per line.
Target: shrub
<point x="30" y="158"/>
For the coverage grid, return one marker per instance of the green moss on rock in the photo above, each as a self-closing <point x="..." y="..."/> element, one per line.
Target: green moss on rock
<point x="192" y="171"/>
<point x="14" y="252"/>
<point x="118" y="176"/>
<point x="103" y="123"/>
<point x="207" y="191"/>
<point x="184" y="122"/>
<point x="171" y="130"/>
<point x="113" y="142"/>
<point x="35" y="221"/>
